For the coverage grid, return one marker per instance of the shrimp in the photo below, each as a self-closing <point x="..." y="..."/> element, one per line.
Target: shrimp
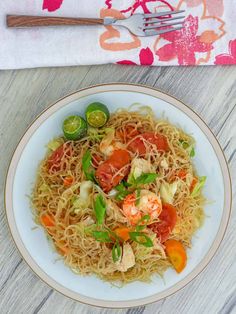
<point x="149" y="204"/>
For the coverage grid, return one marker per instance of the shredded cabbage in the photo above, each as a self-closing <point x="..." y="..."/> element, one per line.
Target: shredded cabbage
<point x="98" y="134"/>
<point x="168" y="191"/>
<point x="84" y="198"/>
<point x="138" y="167"/>
<point x="55" y="143"/>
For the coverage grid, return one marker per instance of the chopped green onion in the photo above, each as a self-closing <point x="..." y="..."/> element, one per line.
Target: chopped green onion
<point x="189" y="148"/>
<point x="138" y="192"/>
<point x="140" y="228"/>
<point x="87" y="166"/>
<point x="126" y="184"/>
<point x="102" y="236"/>
<point x="122" y="195"/>
<point x="192" y="152"/>
<point x="184" y="144"/>
<point x="120" y="187"/>
<point x="89" y="229"/>
<point x="145" y="178"/>
<point x="116" y="252"/>
<point x="144" y="219"/>
<point x="100" y="209"/>
<point x="141" y="238"/>
<point x="123" y="192"/>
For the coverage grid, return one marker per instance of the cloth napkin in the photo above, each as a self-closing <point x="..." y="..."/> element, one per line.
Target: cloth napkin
<point x="208" y="36"/>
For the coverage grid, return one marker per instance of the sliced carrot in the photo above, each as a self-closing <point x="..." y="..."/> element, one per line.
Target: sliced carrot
<point x="182" y="174"/>
<point x="47" y="220"/>
<point x="63" y="250"/>
<point x="194" y="182"/>
<point x="68" y="181"/>
<point x="123" y="233"/>
<point x="177" y="254"/>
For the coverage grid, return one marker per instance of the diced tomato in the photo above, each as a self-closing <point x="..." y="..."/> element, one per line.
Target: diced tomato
<point x="168" y="218"/>
<point x="138" y="144"/>
<point x="54" y="160"/>
<point x="106" y="172"/>
<point x="127" y="133"/>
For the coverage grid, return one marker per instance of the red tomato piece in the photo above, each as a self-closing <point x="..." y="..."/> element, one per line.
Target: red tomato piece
<point x="138" y="145"/>
<point x="54" y="160"/>
<point x="96" y="160"/>
<point x="106" y="172"/>
<point x="127" y="133"/>
<point x="168" y="218"/>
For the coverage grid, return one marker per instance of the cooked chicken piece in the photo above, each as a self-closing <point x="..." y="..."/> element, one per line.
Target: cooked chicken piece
<point x="127" y="260"/>
<point x="164" y="164"/>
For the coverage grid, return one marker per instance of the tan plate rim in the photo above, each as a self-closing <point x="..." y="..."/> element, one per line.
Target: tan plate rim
<point x="83" y="93"/>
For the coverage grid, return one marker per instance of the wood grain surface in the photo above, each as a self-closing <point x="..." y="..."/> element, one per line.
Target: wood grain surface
<point x="30" y="21"/>
<point x="210" y="91"/>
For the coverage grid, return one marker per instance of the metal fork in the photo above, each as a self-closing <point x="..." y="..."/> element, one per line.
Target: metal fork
<point x="138" y="24"/>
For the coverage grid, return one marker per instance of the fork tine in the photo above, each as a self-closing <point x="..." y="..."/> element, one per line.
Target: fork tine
<point x="151" y="15"/>
<point x="161" y="31"/>
<point x="164" y="20"/>
<point x="162" y="25"/>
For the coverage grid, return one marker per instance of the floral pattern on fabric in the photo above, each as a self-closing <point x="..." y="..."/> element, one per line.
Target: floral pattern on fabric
<point x="194" y="44"/>
<point x="228" y="58"/>
<point x="184" y="44"/>
<point x="145" y="58"/>
<point x="52" y="5"/>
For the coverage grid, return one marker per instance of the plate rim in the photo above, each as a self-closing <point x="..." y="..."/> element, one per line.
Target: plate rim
<point x="44" y="115"/>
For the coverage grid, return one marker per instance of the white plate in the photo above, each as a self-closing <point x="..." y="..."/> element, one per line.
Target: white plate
<point x="33" y="245"/>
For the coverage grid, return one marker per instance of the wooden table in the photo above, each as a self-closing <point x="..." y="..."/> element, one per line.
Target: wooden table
<point x="210" y="91"/>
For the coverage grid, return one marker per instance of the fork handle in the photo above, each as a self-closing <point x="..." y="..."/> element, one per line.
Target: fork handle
<point x="32" y="21"/>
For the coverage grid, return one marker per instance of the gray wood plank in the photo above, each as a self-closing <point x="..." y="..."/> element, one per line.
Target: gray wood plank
<point x="210" y="91"/>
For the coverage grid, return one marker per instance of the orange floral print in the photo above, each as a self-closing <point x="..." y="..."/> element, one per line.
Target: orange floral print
<point x="112" y="33"/>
